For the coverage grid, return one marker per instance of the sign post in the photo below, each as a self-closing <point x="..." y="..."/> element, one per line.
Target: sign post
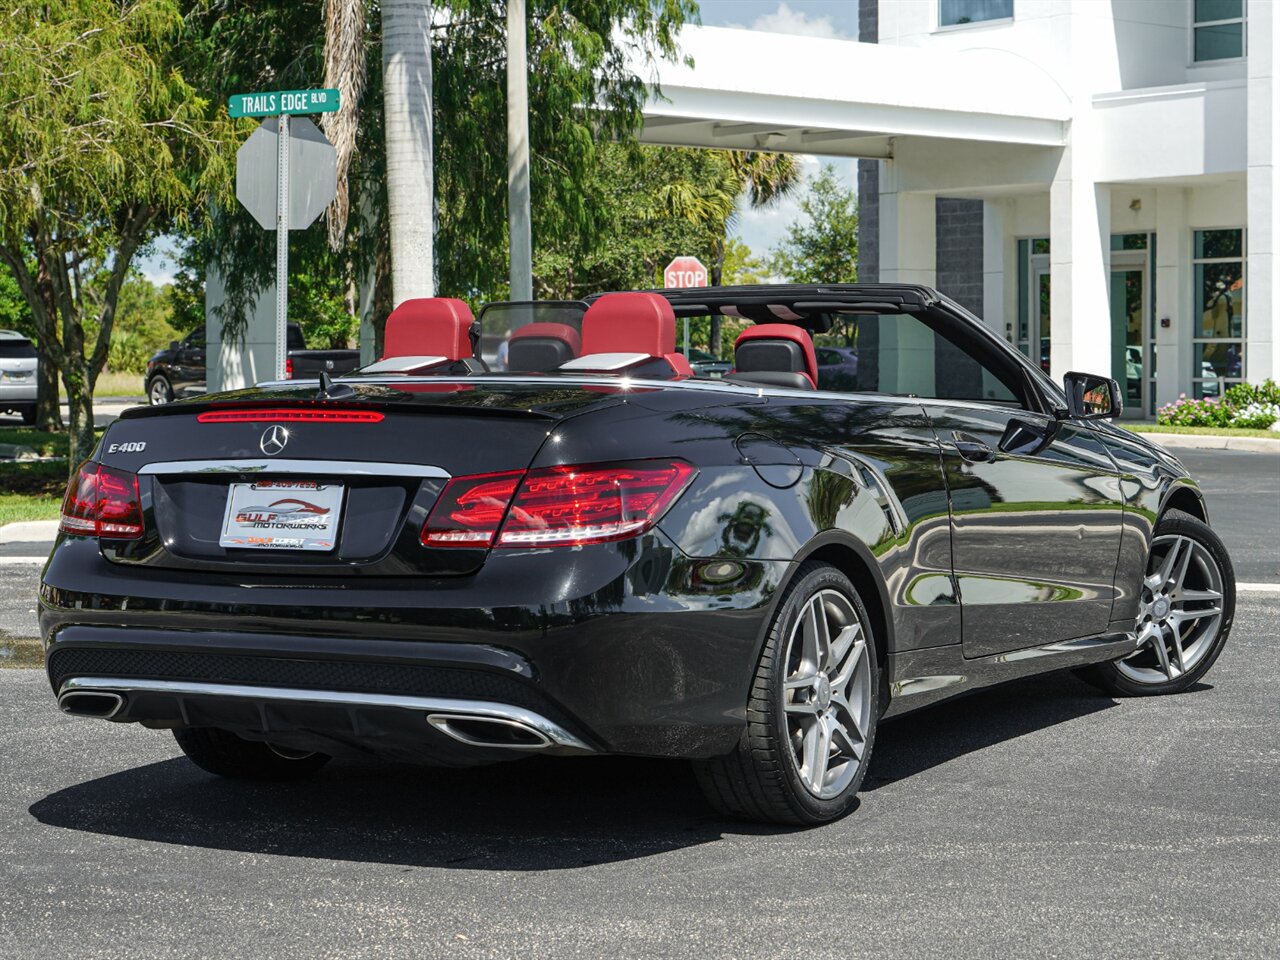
<point x="298" y="202"/>
<point x="685" y="272"/>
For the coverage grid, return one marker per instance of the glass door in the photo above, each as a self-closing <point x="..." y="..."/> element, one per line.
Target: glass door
<point x="1128" y="346"/>
<point x="1038" y="310"/>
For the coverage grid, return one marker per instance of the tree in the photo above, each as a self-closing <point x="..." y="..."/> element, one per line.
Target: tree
<point x="406" y="104"/>
<point x="102" y="144"/>
<point x="822" y="246"/>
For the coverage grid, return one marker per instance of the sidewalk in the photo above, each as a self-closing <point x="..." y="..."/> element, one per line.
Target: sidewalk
<point x="1205" y="441"/>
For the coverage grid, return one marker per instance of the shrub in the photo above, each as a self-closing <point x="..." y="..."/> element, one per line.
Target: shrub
<point x="1250" y="405"/>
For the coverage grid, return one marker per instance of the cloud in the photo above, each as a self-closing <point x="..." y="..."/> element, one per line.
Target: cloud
<point x="787" y="20"/>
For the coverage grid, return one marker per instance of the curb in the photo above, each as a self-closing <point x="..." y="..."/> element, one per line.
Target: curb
<point x="1209" y="441"/>
<point x="29" y="531"/>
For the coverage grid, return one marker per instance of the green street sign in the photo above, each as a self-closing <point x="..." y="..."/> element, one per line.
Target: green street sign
<point x="282" y="101"/>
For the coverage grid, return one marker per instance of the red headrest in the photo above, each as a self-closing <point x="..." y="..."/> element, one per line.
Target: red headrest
<point x="784" y="331"/>
<point x="561" y="331"/>
<point x="629" y="323"/>
<point x="429" y="327"/>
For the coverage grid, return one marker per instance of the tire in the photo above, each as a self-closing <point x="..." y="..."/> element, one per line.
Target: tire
<point x="223" y="753"/>
<point x="1207" y="584"/>
<point x="769" y="777"/>
<point x="159" y="390"/>
<point x="28" y="414"/>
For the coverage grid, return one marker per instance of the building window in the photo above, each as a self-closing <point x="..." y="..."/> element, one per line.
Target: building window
<point x="1217" y="352"/>
<point x="1217" y="30"/>
<point x="952" y="13"/>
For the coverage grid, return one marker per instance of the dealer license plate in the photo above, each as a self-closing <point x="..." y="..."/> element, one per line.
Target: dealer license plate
<point x="282" y="515"/>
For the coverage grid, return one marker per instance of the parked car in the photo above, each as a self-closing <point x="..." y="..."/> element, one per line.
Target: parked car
<point x="18" y="379"/>
<point x="603" y="555"/>
<point x="706" y="365"/>
<point x="179" y="369"/>
<point x="837" y="368"/>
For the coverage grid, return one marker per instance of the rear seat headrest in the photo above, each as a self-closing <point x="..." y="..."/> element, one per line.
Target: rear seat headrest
<point x="429" y="327"/>
<point x="635" y="323"/>
<point x="777" y="349"/>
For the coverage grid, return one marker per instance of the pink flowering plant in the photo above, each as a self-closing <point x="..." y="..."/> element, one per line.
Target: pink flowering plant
<point x="1256" y="406"/>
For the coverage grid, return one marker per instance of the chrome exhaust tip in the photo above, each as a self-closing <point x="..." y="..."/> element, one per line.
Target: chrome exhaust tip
<point x="91" y="703"/>
<point x="479" y="731"/>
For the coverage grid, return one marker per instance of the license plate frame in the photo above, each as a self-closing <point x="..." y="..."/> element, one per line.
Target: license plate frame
<point x="293" y="515"/>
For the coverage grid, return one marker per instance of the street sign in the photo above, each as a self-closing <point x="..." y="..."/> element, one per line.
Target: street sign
<point x="276" y="102"/>
<point x="685" y="272"/>
<point x="303" y="179"/>
<point x="313" y="173"/>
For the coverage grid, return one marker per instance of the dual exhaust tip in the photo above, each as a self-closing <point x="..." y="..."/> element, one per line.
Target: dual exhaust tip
<point x="91" y="703"/>
<point x="470" y="729"/>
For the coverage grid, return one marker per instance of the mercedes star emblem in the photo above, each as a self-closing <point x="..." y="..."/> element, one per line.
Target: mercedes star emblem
<point x="273" y="439"/>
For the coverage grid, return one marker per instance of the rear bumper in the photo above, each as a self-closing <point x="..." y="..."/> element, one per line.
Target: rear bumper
<point x="18" y="392"/>
<point x="619" y="648"/>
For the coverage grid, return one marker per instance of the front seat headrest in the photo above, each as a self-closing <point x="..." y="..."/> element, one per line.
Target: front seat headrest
<point x="539" y="347"/>
<point x="777" y="354"/>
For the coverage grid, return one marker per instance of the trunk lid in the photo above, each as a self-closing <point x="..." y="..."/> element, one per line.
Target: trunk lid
<point x="379" y="456"/>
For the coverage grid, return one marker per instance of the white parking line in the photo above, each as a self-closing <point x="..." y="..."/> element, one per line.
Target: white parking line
<point x="1258" y="588"/>
<point x="23" y="561"/>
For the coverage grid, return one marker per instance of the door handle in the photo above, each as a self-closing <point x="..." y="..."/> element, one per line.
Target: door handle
<point x="971" y="448"/>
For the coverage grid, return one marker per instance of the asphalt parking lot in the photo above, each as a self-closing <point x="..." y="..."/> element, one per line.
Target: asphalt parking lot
<point x="1041" y="819"/>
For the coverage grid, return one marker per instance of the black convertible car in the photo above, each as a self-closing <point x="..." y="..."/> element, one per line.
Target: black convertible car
<point x="593" y="551"/>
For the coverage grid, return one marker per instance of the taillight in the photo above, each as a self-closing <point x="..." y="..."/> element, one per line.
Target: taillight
<point x="470" y="510"/>
<point x="288" y="368"/>
<point x="556" y="506"/>
<point x="102" y="501"/>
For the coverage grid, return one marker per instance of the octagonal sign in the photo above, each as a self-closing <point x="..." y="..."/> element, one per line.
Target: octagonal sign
<point x="313" y="173"/>
<point x="685" y="272"/>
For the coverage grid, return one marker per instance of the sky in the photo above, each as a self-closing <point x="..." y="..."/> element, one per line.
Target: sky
<point x="761" y="230"/>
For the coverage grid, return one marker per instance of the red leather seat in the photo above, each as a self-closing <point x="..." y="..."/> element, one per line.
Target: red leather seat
<point x="775" y="354"/>
<point x="633" y="323"/>
<point x="429" y="327"/>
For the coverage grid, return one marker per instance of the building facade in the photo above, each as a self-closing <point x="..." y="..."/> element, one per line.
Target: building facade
<point x="1094" y="178"/>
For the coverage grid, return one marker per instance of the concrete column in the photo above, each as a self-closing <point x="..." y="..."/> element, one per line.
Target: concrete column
<point x="1262" y="272"/>
<point x="1173" y="295"/>
<point x="1079" y="266"/>
<point x="995" y="252"/>
<point x="908" y="233"/>
<point x="236" y="363"/>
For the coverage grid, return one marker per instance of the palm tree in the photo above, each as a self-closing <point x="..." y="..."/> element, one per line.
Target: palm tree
<point x="764" y="179"/>
<point x="406" y="80"/>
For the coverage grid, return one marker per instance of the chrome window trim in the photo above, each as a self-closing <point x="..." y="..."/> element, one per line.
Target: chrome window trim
<point x="350" y="468"/>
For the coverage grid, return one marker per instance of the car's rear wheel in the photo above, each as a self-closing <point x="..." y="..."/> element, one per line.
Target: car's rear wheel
<point x="28" y="414"/>
<point x="1187" y="604"/>
<point x="811" y="713"/>
<point x="223" y="753"/>
<point x="159" y="391"/>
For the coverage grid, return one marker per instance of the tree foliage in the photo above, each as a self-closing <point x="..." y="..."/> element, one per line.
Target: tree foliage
<point x="103" y="143"/>
<point x="822" y="246"/>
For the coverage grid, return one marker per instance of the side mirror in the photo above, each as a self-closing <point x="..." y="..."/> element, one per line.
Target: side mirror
<point x="1091" y="397"/>
<point x="173" y="344"/>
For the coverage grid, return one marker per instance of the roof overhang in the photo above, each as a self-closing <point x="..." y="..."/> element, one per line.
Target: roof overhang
<point x="792" y="94"/>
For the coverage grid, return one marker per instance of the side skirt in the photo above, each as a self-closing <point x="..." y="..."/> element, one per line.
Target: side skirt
<point x="923" y="677"/>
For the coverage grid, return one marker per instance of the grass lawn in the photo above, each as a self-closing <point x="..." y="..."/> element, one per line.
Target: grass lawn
<point x="112" y="384"/>
<point x="1206" y="431"/>
<point x="32" y="489"/>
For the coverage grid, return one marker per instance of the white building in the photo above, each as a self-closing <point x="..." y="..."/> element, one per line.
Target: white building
<point x="1092" y="177"/>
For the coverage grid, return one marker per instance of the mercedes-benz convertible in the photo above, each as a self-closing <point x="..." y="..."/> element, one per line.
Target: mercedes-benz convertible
<point x="540" y="533"/>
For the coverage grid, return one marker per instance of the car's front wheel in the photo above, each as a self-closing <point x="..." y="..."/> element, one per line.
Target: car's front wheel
<point x="159" y="391"/>
<point x="227" y="755"/>
<point x="1186" y="606"/>
<point x="811" y="713"/>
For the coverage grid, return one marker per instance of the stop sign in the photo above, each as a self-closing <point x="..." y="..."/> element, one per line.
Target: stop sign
<point x="685" y="272"/>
